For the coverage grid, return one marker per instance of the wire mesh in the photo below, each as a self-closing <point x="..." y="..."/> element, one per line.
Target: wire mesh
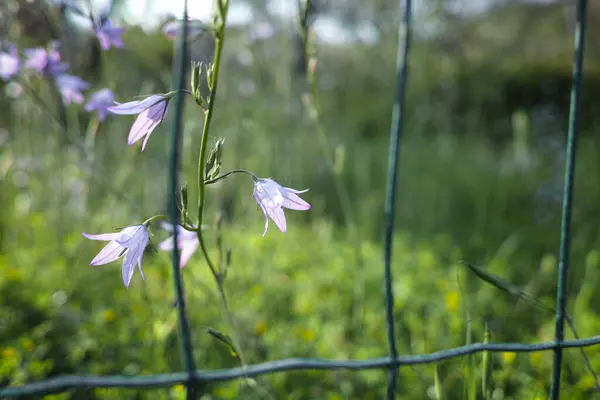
<point x="185" y="339"/>
<point x="390" y="200"/>
<point x="194" y="379"/>
<point x="567" y="206"/>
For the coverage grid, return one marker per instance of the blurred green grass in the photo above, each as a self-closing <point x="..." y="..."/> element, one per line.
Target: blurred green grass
<point x="316" y="291"/>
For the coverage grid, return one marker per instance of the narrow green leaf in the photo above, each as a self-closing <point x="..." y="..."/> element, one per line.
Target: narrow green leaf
<point x="223" y="339"/>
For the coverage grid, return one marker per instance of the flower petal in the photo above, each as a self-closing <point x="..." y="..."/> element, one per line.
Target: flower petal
<point x="146" y="122"/>
<point x="133" y="235"/>
<point x="139" y="261"/>
<point x="278" y="217"/>
<point x="293" y="202"/>
<point x="136" y="106"/>
<point x="111" y="252"/>
<point x="188" y="248"/>
<point x="295" y="191"/>
<point x="140" y="128"/>
<point x="102" y="236"/>
<point x="129" y="265"/>
<point x="146" y="139"/>
<point x="167" y="244"/>
<point x="167" y="226"/>
<point x="266" y="218"/>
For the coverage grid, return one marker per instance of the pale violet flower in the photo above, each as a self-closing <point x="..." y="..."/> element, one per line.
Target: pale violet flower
<point x="100" y="101"/>
<point x="187" y="242"/>
<point x="70" y="88"/>
<point x="273" y="198"/>
<point x="130" y="242"/>
<point x="9" y="63"/>
<point x="109" y="35"/>
<point x="45" y="61"/>
<point x="152" y="110"/>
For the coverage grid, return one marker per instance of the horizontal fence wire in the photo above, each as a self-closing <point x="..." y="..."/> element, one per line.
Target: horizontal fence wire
<point x="192" y="377"/>
<point x="67" y="382"/>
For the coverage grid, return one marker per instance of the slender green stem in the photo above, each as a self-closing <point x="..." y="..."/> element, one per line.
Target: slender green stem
<point x="325" y="146"/>
<point x="165" y="218"/>
<point x="220" y="37"/>
<point x="155" y="217"/>
<point x="350" y="218"/>
<point x="235" y="171"/>
<point x="230" y="321"/>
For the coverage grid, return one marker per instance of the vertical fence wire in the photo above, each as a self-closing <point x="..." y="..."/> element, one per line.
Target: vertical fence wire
<point x="186" y="348"/>
<point x="404" y="36"/>
<point x="567" y="205"/>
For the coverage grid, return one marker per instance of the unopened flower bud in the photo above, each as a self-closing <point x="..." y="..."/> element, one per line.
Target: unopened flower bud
<point x="195" y="80"/>
<point x="183" y="195"/>
<point x="213" y="162"/>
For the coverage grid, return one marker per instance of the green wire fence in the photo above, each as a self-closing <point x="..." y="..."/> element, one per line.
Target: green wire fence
<point x="194" y="379"/>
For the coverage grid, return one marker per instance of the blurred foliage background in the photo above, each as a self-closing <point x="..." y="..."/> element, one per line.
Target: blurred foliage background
<point x="480" y="180"/>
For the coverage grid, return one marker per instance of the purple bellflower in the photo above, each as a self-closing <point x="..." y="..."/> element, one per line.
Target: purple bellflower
<point x="187" y="243"/>
<point x="109" y="35"/>
<point x="46" y="62"/>
<point x="70" y="88"/>
<point x="100" y="101"/>
<point x="9" y="63"/>
<point x="273" y="198"/>
<point x="152" y="110"/>
<point x="131" y="242"/>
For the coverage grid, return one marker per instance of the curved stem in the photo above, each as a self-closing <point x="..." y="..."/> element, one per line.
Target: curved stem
<point x="235" y="171"/>
<point x="155" y="217"/>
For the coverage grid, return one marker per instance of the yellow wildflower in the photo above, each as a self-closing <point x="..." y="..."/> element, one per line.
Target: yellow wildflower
<point x="452" y="301"/>
<point x="509" y="357"/>
<point x="109" y="315"/>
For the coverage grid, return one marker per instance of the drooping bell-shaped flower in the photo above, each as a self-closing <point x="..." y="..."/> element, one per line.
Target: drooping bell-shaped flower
<point x="70" y="88"/>
<point x="130" y="242"/>
<point x="152" y="110"/>
<point x="109" y="35"/>
<point x="9" y="63"/>
<point x="99" y="102"/>
<point x="45" y="61"/>
<point x="273" y="198"/>
<point x="187" y="242"/>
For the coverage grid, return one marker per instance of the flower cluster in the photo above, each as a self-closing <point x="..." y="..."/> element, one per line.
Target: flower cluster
<point x="45" y="62"/>
<point x="131" y="242"/>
